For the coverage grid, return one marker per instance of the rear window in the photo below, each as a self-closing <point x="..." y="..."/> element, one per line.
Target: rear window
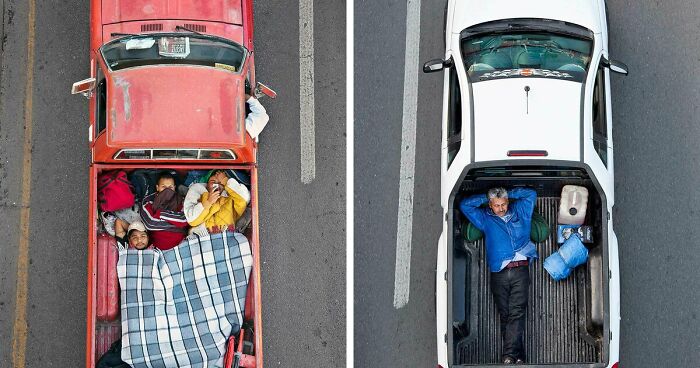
<point x="181" y="154"/>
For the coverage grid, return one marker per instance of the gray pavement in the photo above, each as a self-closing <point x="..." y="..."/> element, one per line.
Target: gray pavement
<point x="655" y="133"/>
<point x="385" y="336"/>
<point x="302" y="226"/>
<point x="58" y="208"/>
<point x="656" y="130"/>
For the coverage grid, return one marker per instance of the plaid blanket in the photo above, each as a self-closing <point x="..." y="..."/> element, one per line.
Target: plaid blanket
<point x="179" y="306"/>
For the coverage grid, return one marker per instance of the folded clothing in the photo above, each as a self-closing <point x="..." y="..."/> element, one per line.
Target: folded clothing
<point x="571" y="254"/>
<point x="556" y="267"/>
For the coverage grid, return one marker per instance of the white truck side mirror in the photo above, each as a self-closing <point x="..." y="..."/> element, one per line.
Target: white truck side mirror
<point x="615" y="66"/>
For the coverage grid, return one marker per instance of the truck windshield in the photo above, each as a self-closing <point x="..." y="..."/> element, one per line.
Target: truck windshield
<point x="526" y="54"/>
<point x="134" y="51"/>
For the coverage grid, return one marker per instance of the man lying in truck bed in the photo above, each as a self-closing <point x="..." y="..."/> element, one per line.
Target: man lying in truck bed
<point x="508" y="248"/>
<point x="133" y="235"/>
<point x="161" y="213"/>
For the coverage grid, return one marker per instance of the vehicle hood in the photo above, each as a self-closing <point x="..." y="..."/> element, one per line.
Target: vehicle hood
<point x="175" y="106"/>
<point x="471" y="12"/>
<point x="225" y="11"/>
<point x="549" y="119"/>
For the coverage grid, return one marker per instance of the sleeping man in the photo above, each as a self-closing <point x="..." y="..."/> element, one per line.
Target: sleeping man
<point x="161" y="213"/>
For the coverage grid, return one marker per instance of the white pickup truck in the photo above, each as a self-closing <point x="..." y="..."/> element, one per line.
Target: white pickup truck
<point x="527" y="103"/>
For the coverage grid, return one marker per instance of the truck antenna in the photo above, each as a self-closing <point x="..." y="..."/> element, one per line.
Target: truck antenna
<point x="527" y="99"/>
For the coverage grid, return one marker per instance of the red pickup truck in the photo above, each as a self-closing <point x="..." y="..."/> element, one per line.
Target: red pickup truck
<point x="167" y="90"/>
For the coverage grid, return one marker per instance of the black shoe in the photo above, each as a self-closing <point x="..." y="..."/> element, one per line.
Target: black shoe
<point x="459" y="330"/>
<point x="519" y="361"/>
<point x="508" y="360"/>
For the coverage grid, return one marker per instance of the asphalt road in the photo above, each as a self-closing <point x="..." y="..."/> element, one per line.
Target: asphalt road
<point x="656" y="129"/>
<point x="655" y="117"/>
<point x="302" y="225"/>
<point x="385" y="336"/>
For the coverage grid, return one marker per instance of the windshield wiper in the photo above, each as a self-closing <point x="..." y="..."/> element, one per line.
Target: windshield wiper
<point x="177" y="28"/>
<point x="121" y="34"/>
<point x="520" y="26"/>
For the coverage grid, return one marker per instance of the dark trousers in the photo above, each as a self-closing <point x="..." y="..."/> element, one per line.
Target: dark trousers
<point x="509" y="288"/>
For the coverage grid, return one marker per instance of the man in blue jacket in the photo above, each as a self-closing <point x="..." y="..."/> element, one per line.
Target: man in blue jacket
<point x="506" y="228"/>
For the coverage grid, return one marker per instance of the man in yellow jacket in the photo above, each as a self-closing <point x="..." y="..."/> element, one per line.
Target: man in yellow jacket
<point x="221" y="205"/>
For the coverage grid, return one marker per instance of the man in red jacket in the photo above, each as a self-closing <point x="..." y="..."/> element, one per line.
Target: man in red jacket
<point x="161" y="213"/>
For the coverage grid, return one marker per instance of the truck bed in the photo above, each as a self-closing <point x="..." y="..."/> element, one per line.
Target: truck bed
<point x="102" y="333"/>
<point x="556" y="314"/>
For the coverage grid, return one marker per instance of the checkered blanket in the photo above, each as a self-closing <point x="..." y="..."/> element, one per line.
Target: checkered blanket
<point x="179" y="306"/>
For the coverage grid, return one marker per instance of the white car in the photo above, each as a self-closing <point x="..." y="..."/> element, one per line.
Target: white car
<point x="527" y="103"/>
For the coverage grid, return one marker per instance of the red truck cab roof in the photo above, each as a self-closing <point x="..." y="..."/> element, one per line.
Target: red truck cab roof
<point x="175" y="106"/>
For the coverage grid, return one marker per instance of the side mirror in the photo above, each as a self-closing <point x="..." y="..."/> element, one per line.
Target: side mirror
<point x="84" y="87"/>
<point x="615" y="66"/>
<point x="436" y="65"/>
<point x="263" y="90"/>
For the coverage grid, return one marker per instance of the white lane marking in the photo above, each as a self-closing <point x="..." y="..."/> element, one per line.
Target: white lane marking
<point x="402" y="274"/>
<point x="306" y="91"/>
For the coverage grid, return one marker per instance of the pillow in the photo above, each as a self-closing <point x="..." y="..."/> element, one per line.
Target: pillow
<point x="470" y="233"/>
<point x="539" y="230"/>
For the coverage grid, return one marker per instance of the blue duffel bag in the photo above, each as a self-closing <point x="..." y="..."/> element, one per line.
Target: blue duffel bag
<point x="556" y="267"/>
<point x="573" y="252"/>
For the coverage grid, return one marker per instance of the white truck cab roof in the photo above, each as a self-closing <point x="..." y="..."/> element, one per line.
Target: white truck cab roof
<point x="546" y="117"/>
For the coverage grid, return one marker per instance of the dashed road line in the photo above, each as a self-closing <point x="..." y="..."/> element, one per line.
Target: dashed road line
<point x="306" y="91"/>
<point x="404" y="228"/>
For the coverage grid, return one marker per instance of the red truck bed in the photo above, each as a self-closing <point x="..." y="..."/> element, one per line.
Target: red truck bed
<point x="104" y="322"/>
